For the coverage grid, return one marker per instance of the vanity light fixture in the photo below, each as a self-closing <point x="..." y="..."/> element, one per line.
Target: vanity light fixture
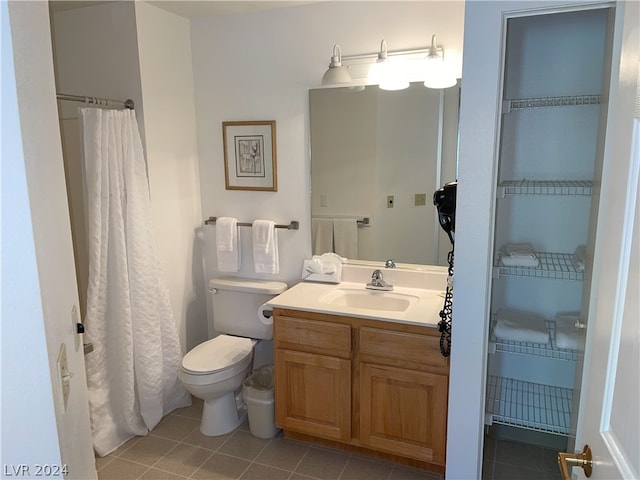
<point x="336" y="73"/>
<point x="390" y="70"/>
<point x="437" y="73"/>
<point x="388" y="74"/>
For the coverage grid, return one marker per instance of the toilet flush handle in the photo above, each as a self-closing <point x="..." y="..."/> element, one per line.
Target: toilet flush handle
<point x="213" y="290"/>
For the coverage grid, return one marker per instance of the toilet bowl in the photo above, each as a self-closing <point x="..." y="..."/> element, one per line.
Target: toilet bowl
<point x="214" y="371"/>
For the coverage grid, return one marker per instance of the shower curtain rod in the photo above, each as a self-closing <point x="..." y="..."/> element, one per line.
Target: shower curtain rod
<point x="99" y="102"/>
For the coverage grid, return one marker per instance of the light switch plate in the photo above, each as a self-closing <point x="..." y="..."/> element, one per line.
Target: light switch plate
<point x="390" y="201"/>
<point x="64" y="376"/>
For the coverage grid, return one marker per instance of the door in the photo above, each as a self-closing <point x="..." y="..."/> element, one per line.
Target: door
<point x="313" y="394"/>
<point x="402" y="411"/>
<point x="609" y="414"/>
<point x="56" y="281"/>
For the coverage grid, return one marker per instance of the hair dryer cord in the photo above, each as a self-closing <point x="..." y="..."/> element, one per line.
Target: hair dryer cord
<point x="444" y="325"/>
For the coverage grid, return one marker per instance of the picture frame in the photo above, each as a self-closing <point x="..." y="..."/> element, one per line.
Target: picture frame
<point x="250" y="155"/>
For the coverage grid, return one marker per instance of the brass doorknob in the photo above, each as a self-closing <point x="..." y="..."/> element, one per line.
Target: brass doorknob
<point x="584" y="460"/>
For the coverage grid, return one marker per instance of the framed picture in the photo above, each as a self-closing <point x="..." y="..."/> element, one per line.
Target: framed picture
<point x="250" y="155"/>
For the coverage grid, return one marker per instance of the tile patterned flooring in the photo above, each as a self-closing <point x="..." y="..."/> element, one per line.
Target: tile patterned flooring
<point x="176" y="449"/>
<point x="510" y="460"/>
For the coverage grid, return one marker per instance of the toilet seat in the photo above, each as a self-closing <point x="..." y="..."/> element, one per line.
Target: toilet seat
<point x="221" y="357"/>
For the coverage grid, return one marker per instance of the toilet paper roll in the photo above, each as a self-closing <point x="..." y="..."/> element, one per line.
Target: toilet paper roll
<point x="261" y="315"/>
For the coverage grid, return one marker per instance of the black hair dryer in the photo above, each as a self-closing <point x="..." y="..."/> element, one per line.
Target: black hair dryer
<point x="445" y="201"/>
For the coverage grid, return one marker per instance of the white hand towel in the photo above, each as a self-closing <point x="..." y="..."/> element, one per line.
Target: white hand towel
<point x="228" y="244"/>
<point x="226" y="234"/>
<point x="322" y="235"/>
<point x="265" y="247"/>
<point x="519" y="326"/>
<point x="345" y="237"/>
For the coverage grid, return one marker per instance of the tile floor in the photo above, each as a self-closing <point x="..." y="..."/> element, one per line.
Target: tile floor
<point x="176" y="449"/>
<point x="509" y="460"/>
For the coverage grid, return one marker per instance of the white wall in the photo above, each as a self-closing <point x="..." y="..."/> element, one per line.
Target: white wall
<point x="133" y="50"/>
<point x="47" y="295"/>
<point x="260" y="66"/>
<point x="167" y="90"/>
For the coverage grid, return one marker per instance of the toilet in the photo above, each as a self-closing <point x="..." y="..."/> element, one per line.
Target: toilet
<point x="215" y="369"/>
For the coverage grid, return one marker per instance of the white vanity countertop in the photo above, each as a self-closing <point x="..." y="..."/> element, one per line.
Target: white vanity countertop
<point x="423" y="308"/>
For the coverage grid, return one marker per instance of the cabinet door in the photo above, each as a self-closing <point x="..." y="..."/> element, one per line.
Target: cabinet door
<point x="313" y="394"/>
<point x="404" y="412"/>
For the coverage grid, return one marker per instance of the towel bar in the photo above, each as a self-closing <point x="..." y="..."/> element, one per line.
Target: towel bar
<point x="294" y="225"/>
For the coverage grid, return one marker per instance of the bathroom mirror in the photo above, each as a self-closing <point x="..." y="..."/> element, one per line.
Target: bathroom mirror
<point x="380" y="155"/>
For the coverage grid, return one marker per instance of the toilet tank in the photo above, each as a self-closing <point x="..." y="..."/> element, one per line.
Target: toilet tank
<point x="236" y="305"/>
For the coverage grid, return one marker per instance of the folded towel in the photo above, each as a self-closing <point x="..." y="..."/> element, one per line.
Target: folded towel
<point x="322" y="235"/>
<point x="579" y="258"/>
<point x="228" y="244"/>
<point x="518" y="255"/>
<point x="345" y="237"/>
<point x="519" y="326"/>
<point x="566" y="331"/>
<point x="226" y="234"/>
<point x="265" y="247"/>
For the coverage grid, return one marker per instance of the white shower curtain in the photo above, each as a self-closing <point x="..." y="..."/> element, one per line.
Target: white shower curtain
<point x="132" y="374"/>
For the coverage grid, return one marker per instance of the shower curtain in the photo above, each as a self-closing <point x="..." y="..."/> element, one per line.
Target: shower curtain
<point x="132" y="374"/>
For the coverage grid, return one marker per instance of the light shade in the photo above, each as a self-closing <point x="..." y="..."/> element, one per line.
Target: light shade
<point x="437" y="73"/>
<point x="336" y="74"/>
<point x="388" y="75"/>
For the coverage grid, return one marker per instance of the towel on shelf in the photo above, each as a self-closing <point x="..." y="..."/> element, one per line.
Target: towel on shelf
<point x="228" y="244"/>
<point x="566" y="331"/>
<point x="518" y="255"/>
<point x="519" y="326"/>
<point x="579" y="258"/>
<point x="322" y="235"/>
<point x="265" y="247"/>
<point x="345" y="237"/>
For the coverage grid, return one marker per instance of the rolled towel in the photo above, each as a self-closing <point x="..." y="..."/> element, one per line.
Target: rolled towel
<point x="579" y="258"/>
<point x="519" y="326"/>
<point x="518" y="255"/>
<point x="566" y="331"/>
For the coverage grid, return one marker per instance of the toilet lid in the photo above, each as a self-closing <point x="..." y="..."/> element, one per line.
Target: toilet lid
<point x="217" y="354"/>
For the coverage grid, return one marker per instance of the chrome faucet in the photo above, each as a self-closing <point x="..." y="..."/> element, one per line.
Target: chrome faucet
<point x="378" y="283"/>
<point x="390" y="263"/>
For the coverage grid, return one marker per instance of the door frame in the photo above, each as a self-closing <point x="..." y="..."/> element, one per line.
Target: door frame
<point x="477" y="172"/>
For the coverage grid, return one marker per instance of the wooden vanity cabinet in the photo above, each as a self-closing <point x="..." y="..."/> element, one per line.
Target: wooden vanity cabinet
<point x="374" y="386"/>
<point x="313" y="377"/>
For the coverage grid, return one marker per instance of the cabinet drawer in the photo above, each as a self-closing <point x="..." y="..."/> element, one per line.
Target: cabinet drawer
<point x="400" y="348"/>
<point x="315" y="336"/>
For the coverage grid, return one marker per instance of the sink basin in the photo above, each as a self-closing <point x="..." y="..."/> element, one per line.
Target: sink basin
<point x="369" y="299"/>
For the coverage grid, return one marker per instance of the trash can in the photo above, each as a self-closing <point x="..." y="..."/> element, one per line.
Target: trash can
<point x="257" y="390"/>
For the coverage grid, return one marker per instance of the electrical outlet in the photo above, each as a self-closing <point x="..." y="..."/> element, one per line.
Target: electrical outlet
<point x="390" y="201"/>
<point x="324" y="200"/>
<point x="420" y="199"/>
